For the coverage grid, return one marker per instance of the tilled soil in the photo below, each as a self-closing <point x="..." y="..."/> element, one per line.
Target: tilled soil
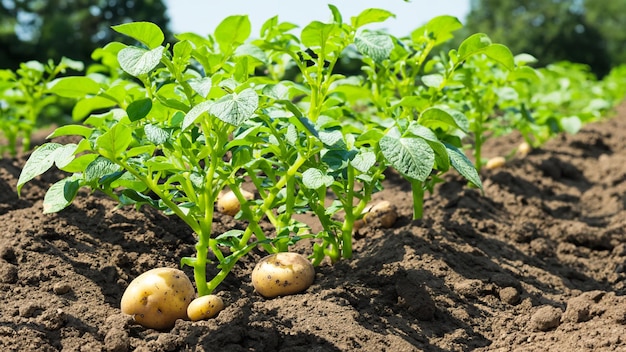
<point x="536" y="263"/>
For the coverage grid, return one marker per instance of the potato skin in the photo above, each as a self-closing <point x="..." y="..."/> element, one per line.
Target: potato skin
<point x="227" y="202"/>
<point x="282" y="274"/>
<point x="158" y="297"/>
<point x="205" y="307"/>
<point x="495" y="162"/>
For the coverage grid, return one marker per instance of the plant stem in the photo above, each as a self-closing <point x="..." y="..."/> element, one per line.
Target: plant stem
<point x="417" y="188"/>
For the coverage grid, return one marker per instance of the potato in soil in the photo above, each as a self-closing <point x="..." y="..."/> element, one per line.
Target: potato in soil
<point x="158" y="297"/>
<point x="205" y="307"/>
<point x="282" y="274"/>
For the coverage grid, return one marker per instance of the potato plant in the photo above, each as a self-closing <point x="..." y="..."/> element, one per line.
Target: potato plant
<point x="25" y="94"/>
<point x="176" y="125"/>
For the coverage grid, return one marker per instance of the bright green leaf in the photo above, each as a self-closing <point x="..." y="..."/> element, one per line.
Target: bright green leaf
<point x="155" y="134"/>
<point x="71" y="130"/>
<point x="73" y="87"/>
<point x="147" y="33"/>
<point x="317" y="35"/>
<point x="412" y="157"/>
<point x="85" y="106"/>
<point x="114" y="142"/>
<point x="463" y="165"/>
<point x="137" y="62"/>
<point x="364" y="161"/>
<point x="232" y="31"/>
<point x="570" y="124"/>
<point x="99" y="168"/>
<point x="236" y="108"/>
<point x="370" y="16"/>
<point x="314" y="178"/>
<point x="378" y="46"/>
<point x="195" y="112"/>
<point x="39" y="162"/>
<point x="438" y="30"/>
<point x="440" y="117"/>
<point x="60" y="195"/>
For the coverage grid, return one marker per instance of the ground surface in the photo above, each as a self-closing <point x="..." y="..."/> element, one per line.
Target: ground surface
<point x="537" y="263"/>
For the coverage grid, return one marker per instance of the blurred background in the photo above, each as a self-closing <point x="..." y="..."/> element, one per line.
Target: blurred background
<point x="591" y="32"/>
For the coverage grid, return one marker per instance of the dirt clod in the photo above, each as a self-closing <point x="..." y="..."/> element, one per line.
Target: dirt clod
<point x="546" y="318"/>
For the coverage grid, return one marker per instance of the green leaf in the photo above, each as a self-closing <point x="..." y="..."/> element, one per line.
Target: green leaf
<point x="202" y="86"/>
<point x="252" y="50"/>
<point x="39" y="162"/>
<point x="139" y="109"/>
<point x="442" y="159"/>
<point x="85" y="106"/>
<point x="155" y="134"/>
<point x="474" y="44"/>
<point x="434" y="80"/>
<point x="79" y="164"/>
<point x="370" y="16"/>
<point x="412" y="157"/>
<point x="71" y="130"/>
<point x="195" y="112"/>
<point x="137" y="62"/>
<point x="60" y="195"/>
<point x="438" y="29"/>
<point x="463" y="165"/>
<point x="235" y="108"/>
<point x="364" y="161"/>
<point x="378" y="46"/>
<point x="99" y="168"/>
<point x="317" y="35"/>
<point x="501" y="54"/>
<point x="570" y="124"/>
<point x="146" y="33"/>
<point x="315" y="178"/>
<point x="64" y="155"/>
<point x="232" y="31"/>
<point x="336" y="14"/>
<point x="114" y="142"/>
<point x="73" y="87"/>
<point x="480" y="43"/>
<point x="440" y="117"/>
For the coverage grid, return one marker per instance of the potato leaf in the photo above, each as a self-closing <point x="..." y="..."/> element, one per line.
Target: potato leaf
<point x="147" y="33"/>
<point x="73" y="87"/>
<point x="61" y="194"/>
<point x="463" y="165"/>
<point x="232" y="31"/>
<point x="136" y="61"/>
<point x="376" y="45"/>
<point x="315" y="178"/>
<point x="411" y="156"/>
<point x="235" y="108"/>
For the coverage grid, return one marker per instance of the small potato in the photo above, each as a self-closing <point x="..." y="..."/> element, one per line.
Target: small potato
<point x="227" y="202"/>
<point x="205" y="307"/>
<point x="282" y="274"/>
<point x="158" y="297"/>
<point x="495" y="162"/>
<point x="383" y="214"/>
<point x="523" y="149"/>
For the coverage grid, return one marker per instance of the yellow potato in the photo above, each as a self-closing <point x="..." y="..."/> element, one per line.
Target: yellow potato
<point x="523" y="149"/>
<point x="227" y="202"/>
<point x="205" y="307"/>
<point x="282" y="274"/>
<point x="158" y="297"/>
<point x="495" y="162"/>
<point x="383" y="214"/>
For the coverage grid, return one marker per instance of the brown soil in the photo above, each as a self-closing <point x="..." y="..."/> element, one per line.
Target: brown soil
<point x="537" y="263"/>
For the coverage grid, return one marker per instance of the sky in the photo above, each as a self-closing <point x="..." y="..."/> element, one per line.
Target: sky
<point x="202" y="16"/>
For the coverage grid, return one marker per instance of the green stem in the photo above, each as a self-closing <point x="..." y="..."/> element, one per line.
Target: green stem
<point x="417" y="188"/>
